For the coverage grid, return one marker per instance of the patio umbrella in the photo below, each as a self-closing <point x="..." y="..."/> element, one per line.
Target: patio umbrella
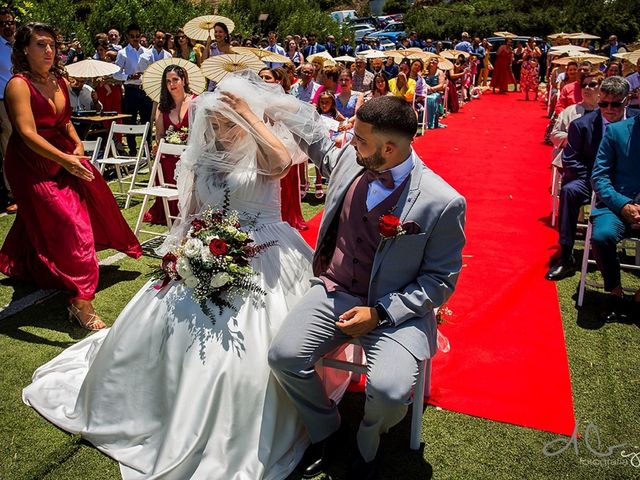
<point x="91" y="69"/>
<point x="201" y="28"/>
<point x="582" y="36"/>
<point x="556" y="36"/>
<point x="264" y="55"/>
<point x="453" y="54"/>
<point x="152" y="76"/>
<point x="505" y="34"/>
<point x="345" y="58"/>
<point x="218" y="67"/>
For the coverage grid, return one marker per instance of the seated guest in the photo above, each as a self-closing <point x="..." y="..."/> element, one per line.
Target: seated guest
<point x="578" y="158"/>
<point x="82" y="97"/>
<point x="435" y="81"/>
<point x="613" y="69"/>
<point x="347" y="101"/>
<point x="377" y="66"/>
<point x="464" y="45"/>
<point x="305" y="89"/>
<point x="571" y="92"/>
<point x="390" y="68"/>
<point x="616" y="181"/>
<point x="379" y="88"/>
<point x="634" y="87"/>
<point x="362" y="78"/>
<point x="403" y="86"/>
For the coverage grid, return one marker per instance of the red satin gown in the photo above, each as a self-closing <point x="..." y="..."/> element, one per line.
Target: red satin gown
<point x="168" y="163"/>
<point x="290" y="208"/>
<point x="502" y="75"/>
<point x="62" y="220"/>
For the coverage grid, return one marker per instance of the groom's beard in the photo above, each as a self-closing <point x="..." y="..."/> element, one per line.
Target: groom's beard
<point x="374" y="162"/>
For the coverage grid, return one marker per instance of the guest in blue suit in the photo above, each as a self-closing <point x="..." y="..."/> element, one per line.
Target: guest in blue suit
<point x="313" y="46"/>
<point x="616" y="181"/>
<point x="578" y="158"/>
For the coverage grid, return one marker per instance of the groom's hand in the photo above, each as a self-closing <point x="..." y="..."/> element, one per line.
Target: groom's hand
<point x="358" y="321"/>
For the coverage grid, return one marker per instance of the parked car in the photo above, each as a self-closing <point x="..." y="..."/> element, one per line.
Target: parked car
<point x="342" y="15"/>
<point x="391" y="32"/>
<point x="373" y="21"/>
<point x="361" y="30"/>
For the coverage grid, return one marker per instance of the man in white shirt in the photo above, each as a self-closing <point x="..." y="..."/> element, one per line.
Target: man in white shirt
<point x="273" y="47"/>
<point x="7" y="33"/>
<point x="634" y="86"/>
<point x="82" y="97"/>
<point x="114" y="40"/>
<point x="135" y="101"/>
<point x="155" y="53"/>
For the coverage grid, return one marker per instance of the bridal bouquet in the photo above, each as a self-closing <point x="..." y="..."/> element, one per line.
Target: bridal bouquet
<point x="177" y="137"/>
<point x="214" y="259"/>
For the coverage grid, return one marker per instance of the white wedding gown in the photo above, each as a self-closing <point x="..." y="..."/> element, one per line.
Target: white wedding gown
<point x="171" y="395"/>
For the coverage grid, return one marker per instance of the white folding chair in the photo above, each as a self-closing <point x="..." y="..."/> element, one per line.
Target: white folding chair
<point x="120" y="162"/>
<point x="421" y="124"/>
<point x="445" y="98"/>
<point x="586" y="260"/>
<point x="92" y="146"/>
<point x="157" y="187"/>
<point x="421" y="390"/>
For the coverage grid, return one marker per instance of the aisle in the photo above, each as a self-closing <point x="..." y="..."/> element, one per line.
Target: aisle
<point x="508" y="360"/>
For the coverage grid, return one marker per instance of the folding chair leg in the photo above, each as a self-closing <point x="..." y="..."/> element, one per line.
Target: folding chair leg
<point x="418" y="404"/>
<point x="585" y="265"/>
<point x="167" y="211"/>
<point x="143" y="209"/>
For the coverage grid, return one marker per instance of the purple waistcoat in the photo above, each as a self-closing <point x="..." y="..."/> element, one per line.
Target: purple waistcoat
<point x="356" y="240"/>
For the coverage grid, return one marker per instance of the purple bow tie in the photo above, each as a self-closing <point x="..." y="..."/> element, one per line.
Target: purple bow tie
<point x="385" y="178"/>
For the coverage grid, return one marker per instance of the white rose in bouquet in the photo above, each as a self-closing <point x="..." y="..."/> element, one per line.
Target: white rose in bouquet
<point x="220" y="279"/>
<point x="192" y="247"/>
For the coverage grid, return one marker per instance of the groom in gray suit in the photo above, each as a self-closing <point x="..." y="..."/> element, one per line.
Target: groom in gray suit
<point x="389" y="251"/>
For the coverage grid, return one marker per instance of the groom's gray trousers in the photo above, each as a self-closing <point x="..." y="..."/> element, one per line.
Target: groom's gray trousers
<point x="308" y="333"/>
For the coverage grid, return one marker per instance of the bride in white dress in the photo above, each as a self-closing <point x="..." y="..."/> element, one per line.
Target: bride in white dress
<point x="167" y="392"/>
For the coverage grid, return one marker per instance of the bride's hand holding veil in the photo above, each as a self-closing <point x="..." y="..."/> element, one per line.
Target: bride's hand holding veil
<point x="273" y="158"/>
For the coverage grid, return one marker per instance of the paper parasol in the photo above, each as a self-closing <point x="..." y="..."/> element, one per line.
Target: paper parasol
<point x="568" y="49"/>
<point x="152" y="77"/>
<point x="91" y="69"/>
<point x="411" y="54"/>
<point x="556" y="36"/>
<point x="218" y="67"/>
<point x="345" y="58"/>
<point x="596" y="59"/>
<point x="631" y="57"/>
<point x="582" y="36"/>
<point x="453" y="54"/>
<point x="505" y="34"/>
<point x="201" y="28"/>
<point x="264" y="55"/>
<point x="369" y="54"/>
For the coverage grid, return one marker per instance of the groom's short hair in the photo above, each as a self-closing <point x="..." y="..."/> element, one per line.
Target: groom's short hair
<point x="389" y="115"/>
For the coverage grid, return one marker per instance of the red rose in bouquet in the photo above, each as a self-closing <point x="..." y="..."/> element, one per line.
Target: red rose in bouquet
<point x="389" y="225"/>
<point x="218" y="247"/>
<point x="197" y="225"/>
<point x="169" y="264"/>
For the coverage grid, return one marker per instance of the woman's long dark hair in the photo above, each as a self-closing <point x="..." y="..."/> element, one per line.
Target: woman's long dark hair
<point x="178" y="48"/>
<point x="167" y="103"/>
<point x="374" y="86"/>
<point x="22" y="40"/>
<point x="224" y="27"/>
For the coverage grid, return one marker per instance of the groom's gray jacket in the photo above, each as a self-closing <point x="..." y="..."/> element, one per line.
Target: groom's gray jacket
<point x="412" y="273"/>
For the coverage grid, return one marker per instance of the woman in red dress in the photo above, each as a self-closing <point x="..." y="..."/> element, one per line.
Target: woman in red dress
<point x="502" y="72"/>
<point x="66" y="210"/>
<point x="173" y="112"/>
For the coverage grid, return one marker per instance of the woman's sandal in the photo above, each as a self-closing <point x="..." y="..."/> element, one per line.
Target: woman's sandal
<point x="92" y="321"/>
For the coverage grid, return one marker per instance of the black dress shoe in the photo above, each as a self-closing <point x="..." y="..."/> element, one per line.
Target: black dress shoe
<point x="361" y="470"/>
<point x="615" y="310"/>
<point x="316" y="457"/>
<point x="561" y="270"/>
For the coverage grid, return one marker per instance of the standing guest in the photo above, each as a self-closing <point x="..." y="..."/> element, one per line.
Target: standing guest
<point x="67" y="211"/>
<point x="634" y="87"/>
<point x="531" y="49"/>
<point x="613" y="47"/>
<point x="273" y="47"/>
<point x="222" y="45"/>
<point x="578" y="157"/>
<point x="306" y="88"/>
<point x="293" y="52"/>
<point x="156" y="53"/>
<point x="313" y="46"/>
<point x="363" y="47"/>
<point x="464" y="45"/>
<point x="502" y="73"/>
<point x="362" y="78"/>
<point x="173" y="112"/>
<point x="379" y="88"/>
<point x="7" y="37"/>
<point x="114" y="40"/>
<point x="331" y="46"/>
<point x="135" y="103"/>
<point x="529" y="77"/>
<point x="109" y="89"/>
<point x="75" y="52"/>
<point x="186" y="48"/>
<point x="169" y="43"/>
<point x="439" y="48"/>
<point x="478" y="51"/>
<point x="486" y="66"/>
<point x="518" y="58"/>
<point x="144" y="42"/>
<point x="616" y="181"/>
<point x="429" y="46"/>
<point x="385" y="298"/>
<point x="346" y="48"/>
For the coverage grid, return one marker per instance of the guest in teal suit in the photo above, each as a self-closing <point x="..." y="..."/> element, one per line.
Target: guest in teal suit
<point x="616" y="181"/>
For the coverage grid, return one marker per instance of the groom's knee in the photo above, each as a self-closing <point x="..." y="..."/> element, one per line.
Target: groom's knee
<point x="284" y="357"/>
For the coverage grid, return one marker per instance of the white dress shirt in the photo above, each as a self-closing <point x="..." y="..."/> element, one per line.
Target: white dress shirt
<point x="128" y="60"/>
<point x="275" y="48"/>
<point x="83" y="100"/>
<point x="378" y="192"/>
<point x="151" y="55"/>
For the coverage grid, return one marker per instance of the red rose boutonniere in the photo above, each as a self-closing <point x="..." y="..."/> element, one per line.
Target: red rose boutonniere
<point x="390" y="226"/>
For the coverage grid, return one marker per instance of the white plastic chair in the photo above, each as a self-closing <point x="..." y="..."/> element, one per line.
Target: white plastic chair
<point x="421" y="124"/>
<point x="120" y="162"/>
<point x="157" y="187"/>
<point x="93" y="146"/>
<point x="586" y="261"/>
<point x="423" y="385"/>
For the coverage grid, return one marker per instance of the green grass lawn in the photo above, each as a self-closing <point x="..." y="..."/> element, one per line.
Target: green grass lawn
<point x="604" y="362"/>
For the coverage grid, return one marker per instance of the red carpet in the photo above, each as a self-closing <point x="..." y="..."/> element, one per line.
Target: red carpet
<point x="507" y="360"/>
